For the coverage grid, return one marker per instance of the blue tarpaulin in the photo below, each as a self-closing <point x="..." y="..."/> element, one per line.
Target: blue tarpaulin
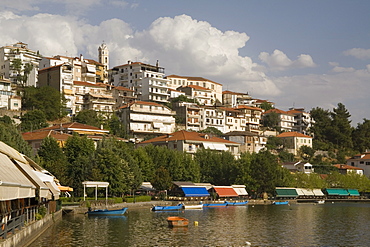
<point x="195" y="191"/>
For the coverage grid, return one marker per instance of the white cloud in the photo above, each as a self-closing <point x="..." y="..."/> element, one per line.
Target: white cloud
<point x="359" y="53"/>
<point x="278" y="60"/>
<point x="19" y="5"/>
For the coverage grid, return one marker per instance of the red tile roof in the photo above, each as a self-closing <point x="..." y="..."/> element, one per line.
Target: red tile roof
<point x="198" y="87"/>
<point x="277" y="111"/>
<point x="293" y="134"/>
<point x="346" y="167"/>
<point x="184" y="135"/>
<point x="249" y="107"/>
<point x="73" y="125"/>
<point x="40" y="135"/>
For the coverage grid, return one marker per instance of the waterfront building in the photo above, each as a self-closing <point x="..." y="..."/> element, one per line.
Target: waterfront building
<point x="190" y="142"/>
<point x="143" y="118"/>
<point x="286" y="120"/>
<point x="302" y="120"/>
<point x="293" y="141"/>
<point x="361" y="161"/>
<point x="206" y="89"/>
<point x="147" y="81"/>
<point x="28" y="65"/>
<point x="251" y="142"/>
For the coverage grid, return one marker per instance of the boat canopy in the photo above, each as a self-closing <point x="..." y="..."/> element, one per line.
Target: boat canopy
<point x="225" y="191"/>
<point x="286" y="192"/>
<point x="195" y="191"/>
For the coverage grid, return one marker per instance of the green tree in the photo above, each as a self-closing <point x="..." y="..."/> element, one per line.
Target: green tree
<point x="46" y="99"/>
<point x="306" y="153"/>
<point x="162" y="179"/>
<point x="321" y="128"/>
<point x="340" y="129"/>
<point x="28" y="67"/>
<point x="16" y="65"/>
<point x="7" y="120"/>
<point x="89" y="117"/>
<point x="361" y="136"/>
<point x="11" y="136"/>
<point x="266" y="106"/>
<point x="33" y="120"/>
<point x="212" y="130"/>
<point x="116" y="127"/>
<point x="271" y="120"/>
<point x="53" y="159"/>
<point x="79" y="152"/>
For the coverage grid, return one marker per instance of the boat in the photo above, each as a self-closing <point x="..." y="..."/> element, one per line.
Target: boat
<point x="216" y="204"/>
<point x="106" y="212"/>
<point x="196" y="206"/>
<point x="237" y="203"/>
<point x="175" y="221"/>
<point x="281" y="203"/>
<point x="168" y="208"/>
<point x="320" y="201"/>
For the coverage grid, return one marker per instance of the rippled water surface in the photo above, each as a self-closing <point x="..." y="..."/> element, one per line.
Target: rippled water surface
<point x="339" y="224"/>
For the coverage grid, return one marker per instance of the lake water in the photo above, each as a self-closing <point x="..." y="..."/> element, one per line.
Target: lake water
<point x="338" y="224"/>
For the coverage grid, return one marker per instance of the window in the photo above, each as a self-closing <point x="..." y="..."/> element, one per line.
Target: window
<point x="367" y="163"/>
<point x="361" y="162"/>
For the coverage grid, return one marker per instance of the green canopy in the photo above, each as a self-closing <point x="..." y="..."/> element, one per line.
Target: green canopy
<point x="286" y="192"/>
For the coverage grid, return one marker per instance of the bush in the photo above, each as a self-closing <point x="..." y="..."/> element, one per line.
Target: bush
<point x="138" y="199"/>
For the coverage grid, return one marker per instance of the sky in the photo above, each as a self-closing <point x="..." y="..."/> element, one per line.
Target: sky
<point x="302" y="54"/>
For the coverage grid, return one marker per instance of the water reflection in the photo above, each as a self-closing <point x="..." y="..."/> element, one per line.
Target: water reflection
<point x="295" y="225"/>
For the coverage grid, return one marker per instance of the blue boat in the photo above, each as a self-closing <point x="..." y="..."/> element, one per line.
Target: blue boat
<point x="237" y="203"/>
<point x="216" y="204"/>
<point x="106" y="212"/>
<point x="168" y="208"/>
<point x="280" y="203"/>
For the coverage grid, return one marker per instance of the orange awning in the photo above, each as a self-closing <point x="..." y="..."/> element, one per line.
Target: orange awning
<point x="225" y="192"/>
<point x="65" y="189"/>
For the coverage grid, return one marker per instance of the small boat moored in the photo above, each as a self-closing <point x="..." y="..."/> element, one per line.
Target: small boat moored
<point x="280" y="203"/>
<point x="196" y="206"/>
<point x="168" y="208"/>
<point x="237" y="203"/>
<point x="106" y="212"/>
<point x="320" y="201"/>
<point x="175" y="221"/>
<point x="215" y="204"/>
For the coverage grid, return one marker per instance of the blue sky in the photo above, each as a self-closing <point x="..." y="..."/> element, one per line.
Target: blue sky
<point x="295" y="53"/>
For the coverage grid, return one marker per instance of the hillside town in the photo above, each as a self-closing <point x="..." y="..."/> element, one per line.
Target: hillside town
<point x="140" y="93"/>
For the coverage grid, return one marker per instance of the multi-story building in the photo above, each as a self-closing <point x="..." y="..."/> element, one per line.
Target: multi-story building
<point x="90" y="96"/>
<point x="24" y="72"/>
<point x="8" y="98"/>
<point x="147" y="118"/>
<point x="361" y="161"/>
<point x="302" y="120"/>
<point x="215" y="88"/>
<point x="286" y="120"/>
<point x="189" y="115"/>
<point x="233" y="99"/>
<point x="234" y="119"/>
<point x="59" y="77"/>
<point x="102" y="74"/>
<point x="249" y="141"/>
<point x="148" y="81"/>
<point x="214" y="117"/>
<point x="122" y="96"/>
<point x="252" y="116"/>
<point x="203" y="95"/>
<point x="190" y="142"/>
<point x="293" y="141"/>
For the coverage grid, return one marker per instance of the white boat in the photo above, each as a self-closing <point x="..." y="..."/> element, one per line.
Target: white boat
<point x="320" y="201"/>
<point x="196" y="206"/>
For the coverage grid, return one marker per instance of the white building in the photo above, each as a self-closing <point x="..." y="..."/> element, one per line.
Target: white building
<point x="302" y="120"/>
<point x="299" y="166"/>
<point x="293" y="141"/>
<point x="361" y="161"/>
<point x="233" y="99"/>
<point x="148" y="81"/>
<point x="252" y="116"/>
<point x="143" y="118"/>
<point x="215" y="88"/>
<point x="249" y="141"/>
<point x="8" y="98"/>
<point x="29" y="61"/>
<point x="286" y="120"/>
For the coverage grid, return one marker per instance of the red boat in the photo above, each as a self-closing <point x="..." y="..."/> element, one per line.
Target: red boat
<point x="174" y="221"/>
